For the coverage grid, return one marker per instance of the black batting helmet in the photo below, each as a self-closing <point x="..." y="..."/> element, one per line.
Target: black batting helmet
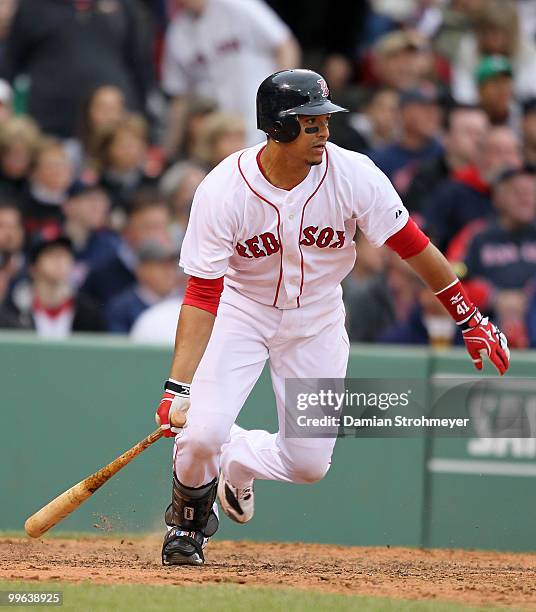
<point x="288" y="93"/>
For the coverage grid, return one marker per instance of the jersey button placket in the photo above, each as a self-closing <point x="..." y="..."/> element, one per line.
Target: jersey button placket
<point x="292" y="256"/>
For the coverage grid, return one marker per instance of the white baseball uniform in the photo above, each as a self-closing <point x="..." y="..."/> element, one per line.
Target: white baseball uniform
<point x="284" y="255"/>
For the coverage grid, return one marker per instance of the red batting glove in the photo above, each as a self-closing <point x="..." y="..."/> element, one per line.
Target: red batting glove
<point x="176" y="398"/>
<point x="481" y="337"/>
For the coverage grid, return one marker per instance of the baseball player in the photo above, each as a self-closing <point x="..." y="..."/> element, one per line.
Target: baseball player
<point x="270" y="239"/>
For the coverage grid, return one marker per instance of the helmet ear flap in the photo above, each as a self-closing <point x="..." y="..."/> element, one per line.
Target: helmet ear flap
<point x="285" y="129"/>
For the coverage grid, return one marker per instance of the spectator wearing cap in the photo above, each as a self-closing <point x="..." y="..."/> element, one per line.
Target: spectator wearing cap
<point x="495" y="90"/>
<point x="504" y="253"/>
<point x="496" y="32"/>
<point x="465" y="196"/>
<point x="420" y="123"/>
<point x="529" y="130"/>
<point x="148" y="218"/>
<point x="223" y="49"/>
<point x="86" y="212"/>
<point x="399" y="61"/>
<point x="51" y="306"/>
<point x="156" y="280"/>
<point x="49" y="180"/>
<point x="465" y="127"/>
<point x="83" y="43"/>
<point x="20" y="138"/>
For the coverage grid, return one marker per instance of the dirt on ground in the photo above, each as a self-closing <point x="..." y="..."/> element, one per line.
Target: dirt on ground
<point x="472" y="578"/>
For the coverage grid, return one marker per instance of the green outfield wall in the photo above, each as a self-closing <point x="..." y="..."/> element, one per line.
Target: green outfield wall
<point x="69" y="407"/>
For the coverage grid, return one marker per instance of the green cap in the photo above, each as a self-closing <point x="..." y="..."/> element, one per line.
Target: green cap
<point x="491" y="66"/>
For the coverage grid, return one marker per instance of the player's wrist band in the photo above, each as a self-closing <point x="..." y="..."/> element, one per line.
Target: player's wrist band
<point x="177" y="387"/>
<point x="455" y="299"/>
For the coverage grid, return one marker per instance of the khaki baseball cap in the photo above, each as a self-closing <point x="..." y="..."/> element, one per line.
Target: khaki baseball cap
<point x="397" y="41"/>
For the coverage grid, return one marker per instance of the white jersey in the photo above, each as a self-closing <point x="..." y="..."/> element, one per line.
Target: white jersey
<point x="288" y="248"/>
<point x="224" y="54"/>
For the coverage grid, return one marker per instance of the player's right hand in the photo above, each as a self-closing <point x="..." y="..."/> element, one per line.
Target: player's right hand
<point x="173" y="406"/>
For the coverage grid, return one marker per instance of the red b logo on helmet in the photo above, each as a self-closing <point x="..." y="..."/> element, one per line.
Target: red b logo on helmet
<point x="323" y="87"/>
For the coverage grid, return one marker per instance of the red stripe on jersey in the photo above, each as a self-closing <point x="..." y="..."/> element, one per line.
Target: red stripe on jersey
<point x="301" y="225"/>
<point x="278" y="228"/>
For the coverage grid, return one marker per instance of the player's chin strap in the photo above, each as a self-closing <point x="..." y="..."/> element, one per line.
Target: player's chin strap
<point x="191" y="508"/>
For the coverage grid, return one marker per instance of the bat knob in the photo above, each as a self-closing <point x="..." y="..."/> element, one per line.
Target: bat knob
<point x="31" y="528"/>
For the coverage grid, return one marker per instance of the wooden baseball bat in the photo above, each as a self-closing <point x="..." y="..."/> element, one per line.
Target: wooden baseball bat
<point x="68" y="501"/>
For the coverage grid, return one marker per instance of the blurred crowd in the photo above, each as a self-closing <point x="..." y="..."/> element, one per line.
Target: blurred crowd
<point x="113" y="111"/>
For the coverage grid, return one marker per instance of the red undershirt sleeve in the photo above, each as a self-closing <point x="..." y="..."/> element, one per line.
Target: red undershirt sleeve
<point x="409" y="241"/>
<point x="203" y="293"/>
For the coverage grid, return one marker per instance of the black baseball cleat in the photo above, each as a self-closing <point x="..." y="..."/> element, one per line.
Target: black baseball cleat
<point x="183" y="547"/>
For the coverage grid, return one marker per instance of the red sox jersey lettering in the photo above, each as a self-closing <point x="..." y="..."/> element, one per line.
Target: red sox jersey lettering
<point x="258" y="246"/>
<point x="288" y="248"/>
<point x="266" y="244"/>
<point x="326" y="237"/>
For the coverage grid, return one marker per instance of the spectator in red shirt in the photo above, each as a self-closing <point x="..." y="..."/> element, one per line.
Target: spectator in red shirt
<point x="465" y="128"/>
<point x="465" y="196"/>
<point x="50" y="305"/>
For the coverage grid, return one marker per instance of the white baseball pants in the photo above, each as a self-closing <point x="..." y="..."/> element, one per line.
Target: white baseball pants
<point x="306" y="342"/>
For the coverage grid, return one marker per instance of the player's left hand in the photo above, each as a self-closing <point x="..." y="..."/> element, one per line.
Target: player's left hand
<point x="482" y="337"/>
<point x="173" y="406"/>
